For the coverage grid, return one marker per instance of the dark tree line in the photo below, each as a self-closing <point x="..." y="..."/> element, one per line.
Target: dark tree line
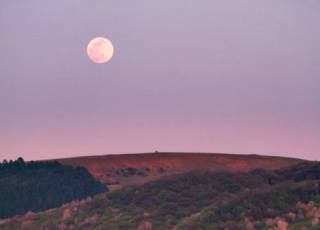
<point x="36" y="186"/>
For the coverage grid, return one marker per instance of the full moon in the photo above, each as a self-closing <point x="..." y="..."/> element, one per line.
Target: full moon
<point x="100" y="50"/>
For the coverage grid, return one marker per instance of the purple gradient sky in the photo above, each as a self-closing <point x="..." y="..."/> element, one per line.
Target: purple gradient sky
<point x="239" y="76"/>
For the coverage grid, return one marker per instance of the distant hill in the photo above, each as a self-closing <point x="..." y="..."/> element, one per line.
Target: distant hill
<point x="123" y="170"/>
<point x="282" y="199"/>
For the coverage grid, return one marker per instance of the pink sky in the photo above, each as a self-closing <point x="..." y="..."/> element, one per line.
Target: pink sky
<point x="211" y="76"/>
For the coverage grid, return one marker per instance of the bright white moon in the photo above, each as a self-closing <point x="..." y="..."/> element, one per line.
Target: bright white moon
<point x="100" y="50"/>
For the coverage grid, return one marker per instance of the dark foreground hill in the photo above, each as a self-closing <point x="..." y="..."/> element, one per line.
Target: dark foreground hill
<point x="201" y="199"/>
<point x="37" y="186"/>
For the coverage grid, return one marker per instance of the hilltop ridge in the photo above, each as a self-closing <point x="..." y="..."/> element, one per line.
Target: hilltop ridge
<point x="123" y="170"/>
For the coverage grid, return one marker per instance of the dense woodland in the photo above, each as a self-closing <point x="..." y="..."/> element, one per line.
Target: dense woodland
<point x="35" y="186"/>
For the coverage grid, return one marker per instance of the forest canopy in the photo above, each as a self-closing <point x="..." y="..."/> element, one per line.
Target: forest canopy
<point x="36" y="186"/>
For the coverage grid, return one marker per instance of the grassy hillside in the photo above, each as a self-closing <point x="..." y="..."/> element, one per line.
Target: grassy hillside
<point x="260" y="199"/>
<point x="124" y="170"/>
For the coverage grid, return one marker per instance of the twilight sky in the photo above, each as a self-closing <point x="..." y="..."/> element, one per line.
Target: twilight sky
<point x="235" y="76"/>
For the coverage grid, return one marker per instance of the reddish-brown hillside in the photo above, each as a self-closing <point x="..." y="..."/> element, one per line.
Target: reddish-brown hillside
<point x="127" y="169"/>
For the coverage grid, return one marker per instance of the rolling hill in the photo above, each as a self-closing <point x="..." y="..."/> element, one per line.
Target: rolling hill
<point x="282" y="199"/>
<point x="124" y="170"/>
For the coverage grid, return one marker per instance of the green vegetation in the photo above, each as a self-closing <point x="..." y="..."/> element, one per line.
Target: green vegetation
<point x="189" y="191"/>
<point x="36" y="186"/>
<point x="256" y="207"/>
<point x="199" y="200"/>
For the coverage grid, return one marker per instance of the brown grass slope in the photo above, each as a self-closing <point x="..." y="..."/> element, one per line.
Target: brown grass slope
<point x="113" y="169"/>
